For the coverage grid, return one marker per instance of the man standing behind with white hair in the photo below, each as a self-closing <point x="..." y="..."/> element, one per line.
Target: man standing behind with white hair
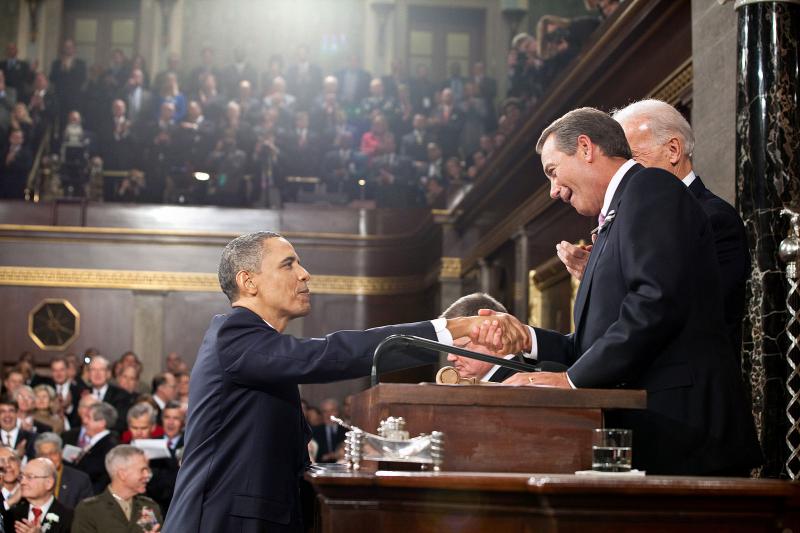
<point x="39" y="510"/>
<point x="122" y="506"/>
<point x="660" y="137"/>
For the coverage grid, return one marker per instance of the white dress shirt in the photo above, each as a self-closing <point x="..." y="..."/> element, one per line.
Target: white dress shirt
<point x="94" y="440"/>
<point x="616" y="179"/>
<point x="492" y="370"/>
<point x="44" y="508"/>
<point x="100" y="393"/>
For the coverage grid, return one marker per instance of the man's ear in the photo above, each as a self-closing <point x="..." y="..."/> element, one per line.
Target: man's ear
<point x="674" y="150"/>
<point x="585" y="148"/>
<point x="245" y="283"/>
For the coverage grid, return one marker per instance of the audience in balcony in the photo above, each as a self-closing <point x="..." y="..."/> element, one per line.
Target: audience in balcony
<point x="290" y="134"/>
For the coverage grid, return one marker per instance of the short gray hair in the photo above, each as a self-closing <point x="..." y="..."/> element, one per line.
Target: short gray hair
<point x="603" y="130"/>
<point x="242" y="253"/>
<point x="119" y="457"/>
<point x="141" y="409"/>
<point x="665" y="121"/>
<point x="104" y="411"/>
<point x="470" y="304"/>
<point x="49" y="438"/>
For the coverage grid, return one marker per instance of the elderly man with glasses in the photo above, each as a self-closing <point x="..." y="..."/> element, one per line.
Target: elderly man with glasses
<point x="38" y="510"/>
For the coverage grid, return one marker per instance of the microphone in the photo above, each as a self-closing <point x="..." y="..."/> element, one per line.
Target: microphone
<point x="394" y="342"/>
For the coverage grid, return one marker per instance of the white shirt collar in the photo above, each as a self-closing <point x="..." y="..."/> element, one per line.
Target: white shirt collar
<point x="94" y="440"/>
<point x="44" y="508"/>
<point x="102" y="390"/>
<point x="161" y="403"/>
<point x="690" y="177"/>
<point x="614" y="183"/>
<point x="492" y="370"/>
<point x="12" y="435"/>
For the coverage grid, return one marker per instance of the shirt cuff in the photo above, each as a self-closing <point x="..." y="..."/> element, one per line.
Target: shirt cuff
<point x="443" y="334"/>
<point x="534" y="353"/>
<point x="571" y="384"/>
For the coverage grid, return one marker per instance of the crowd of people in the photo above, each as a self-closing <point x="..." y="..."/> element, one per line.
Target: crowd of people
<point x="227" y="135"/>
<point x="83" y="417"/>
<point x="66" y="441"/>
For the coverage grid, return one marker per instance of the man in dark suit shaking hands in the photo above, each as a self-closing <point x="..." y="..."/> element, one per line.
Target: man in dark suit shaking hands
<point x="660" y="137"/>
<point x="648" y="312"/>
<point x="246" y="439"/>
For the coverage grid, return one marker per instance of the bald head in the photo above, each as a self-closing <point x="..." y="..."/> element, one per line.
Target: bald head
<point x="659" y="136"/>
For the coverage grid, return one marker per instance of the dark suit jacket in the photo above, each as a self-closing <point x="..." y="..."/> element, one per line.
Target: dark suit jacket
<point x="246" y="441"/>
<point x="648" y="315"/>
<point x="504" y="373"/>
<point x="730" y="242"/>
<point x="19" y="76"/>
<point x="165" y="472"/>
<point x="121" y="400"/>
<point x="93" y="462"/>
<point x="75" y="486"/>
<point x="102" y="514"/>
<point x="29" y="437"/>
<point x="19" y="512"/>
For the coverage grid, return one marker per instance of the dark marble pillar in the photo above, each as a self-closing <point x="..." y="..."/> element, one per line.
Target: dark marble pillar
<point x="768" y="178"/>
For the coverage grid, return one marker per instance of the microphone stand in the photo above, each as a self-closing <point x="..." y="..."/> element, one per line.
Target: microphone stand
<point x="394" y="342"/>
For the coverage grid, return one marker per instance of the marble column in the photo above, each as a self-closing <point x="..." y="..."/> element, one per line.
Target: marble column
<point x="767" y="179"/>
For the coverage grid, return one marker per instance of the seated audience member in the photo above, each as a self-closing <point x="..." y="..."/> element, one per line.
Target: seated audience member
<point x="472" y="368"/>
<point x="127" y="468"/>
<point x="393" y="177"/>
<point x="165" y="471"/>
<point x="182" y="380"/>
<point x="13" y="380"/>
<point x="415" y="144"/>
<point x="15" y="165"/>
<point x="447" y="121"/>
<point x="21" y="120"/>
<point x="10" y="467"/>
<point x="47" y="411"/>
<point x="329" y="435"/>
<point x="131" y="359"/>
<point x="175" y="363"/>
<point x="170" y="93"/>
<point x="313" y="416"/>
<point x="209" y="99"/>
<point x="12" y="434"/>
<point x="343" y="166"/>
<point x="72" y="485"/>
<point x="105" y="391"/>
<point x="235" y="74"/>
<point x="76" y="436"/>
<point x="67" y="393"/>
<point x="116" y="139"/>
<point x="164" y="391"/>
<point x="141" y="424"/>
<point x="228" y="165"/>
<point x="128" y="380"/>
<point x="431" y="177"/>
<point x="38" y="510"/>
<point x="99" y="418"/>
<point x="372" y="140"/>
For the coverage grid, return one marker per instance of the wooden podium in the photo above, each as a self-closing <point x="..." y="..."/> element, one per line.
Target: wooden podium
<point x="495" y="428"/>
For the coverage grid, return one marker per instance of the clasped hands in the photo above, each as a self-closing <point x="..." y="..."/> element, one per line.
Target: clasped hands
<point x="504" y="334"/>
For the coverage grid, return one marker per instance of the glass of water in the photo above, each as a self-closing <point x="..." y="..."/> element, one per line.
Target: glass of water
<point x="611" y="450"/>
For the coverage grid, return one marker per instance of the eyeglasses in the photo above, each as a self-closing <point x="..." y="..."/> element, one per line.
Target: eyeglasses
<point x="29" y="476"/>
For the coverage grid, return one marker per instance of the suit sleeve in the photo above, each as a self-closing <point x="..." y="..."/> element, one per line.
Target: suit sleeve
<point x="82" y="521"/>
<point x="658" y="235"/>
<point x="255" y="354"/>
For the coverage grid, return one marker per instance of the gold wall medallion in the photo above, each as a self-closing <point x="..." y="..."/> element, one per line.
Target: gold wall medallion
<point x="54" y="324"/>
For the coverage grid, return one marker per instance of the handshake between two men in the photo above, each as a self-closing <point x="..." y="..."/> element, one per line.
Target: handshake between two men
<point x="490" y="330"/>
